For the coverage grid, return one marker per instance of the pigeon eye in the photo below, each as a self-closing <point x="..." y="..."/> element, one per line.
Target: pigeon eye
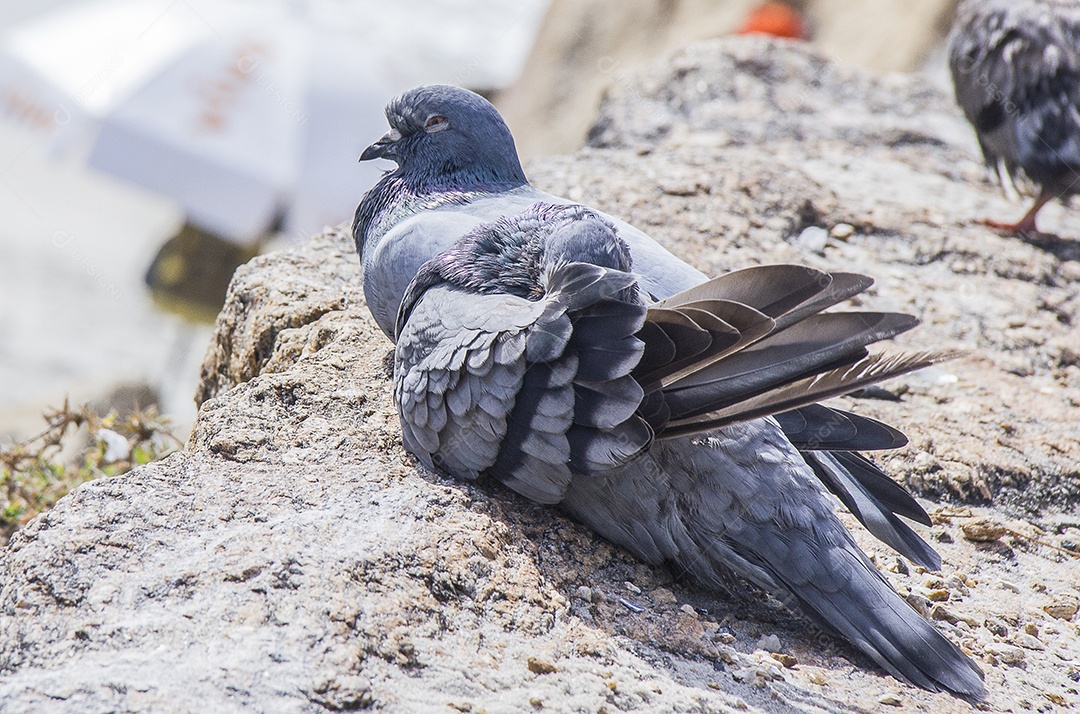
<point x="436" y="122"/>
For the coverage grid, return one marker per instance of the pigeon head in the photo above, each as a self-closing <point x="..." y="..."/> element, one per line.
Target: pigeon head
<point x="447" y="137"/>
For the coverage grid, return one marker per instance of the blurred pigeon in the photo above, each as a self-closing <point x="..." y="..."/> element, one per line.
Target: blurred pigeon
<point x="567" y="355"/>
<point x="1016" y="70"/>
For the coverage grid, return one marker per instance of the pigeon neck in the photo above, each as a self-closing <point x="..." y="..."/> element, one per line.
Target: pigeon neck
<point x="398" y="195"/>
<point x="463" y="179"/>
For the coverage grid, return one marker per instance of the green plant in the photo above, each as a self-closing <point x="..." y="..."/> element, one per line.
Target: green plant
<point x="34" y="474"/>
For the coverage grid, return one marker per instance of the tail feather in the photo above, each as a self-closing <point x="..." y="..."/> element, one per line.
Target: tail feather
<point x="874" y="617"/>
<point x="884" y="489"/>
<point x="875" y="516"/>
<point x="789" y="541"/>
<point x="820" y="428"/>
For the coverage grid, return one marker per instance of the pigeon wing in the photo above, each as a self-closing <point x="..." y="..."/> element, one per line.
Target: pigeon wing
<point x="458" y="368"/>
<point x="529" y="391"/>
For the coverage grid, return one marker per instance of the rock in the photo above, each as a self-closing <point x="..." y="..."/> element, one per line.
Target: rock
<point x="983" y="530"/>
<point x="292" y="558"/>
<point x="842" y="231"/>
<point x="940" y="612"/>
<point x="1028" y="641"/>
<point x="1063" y="607"/>
<point x="1008" y="654"/>
<point x="813" y="239"/>
<point x="787" y="660"/>
<point x="540" y="666"/>
<point x="569" y="68"/>
<point x="769" y="643"/>
<point x="663" y="596"/>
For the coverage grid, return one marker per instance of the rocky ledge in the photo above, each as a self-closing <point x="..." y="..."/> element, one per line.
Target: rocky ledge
<point x="294" y="559"/>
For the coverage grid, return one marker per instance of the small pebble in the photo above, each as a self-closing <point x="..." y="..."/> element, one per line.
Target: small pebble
<point x="899" y="566"/>
<point x="1063" y="607"/>
<point x="890" y="700"/>
<point x="983" y="530"/>
<point x="725" y="638"/>
<point x="1007" y="654"/>
<point x="663" y="596"/>
<point x="813" y="239"/>
<point x="925" y="461"/>
<point x="584" y="593"/>
<point x="787" y="660"/>
<point x="921" y="604"/>
<point x="632" y="588"/>
<point x="1029" y="642"/>
<point x="769" y="643"/>
<point x="957" y="583"/>
<point x="998" y="628"/>
<point x="940" y="595"/>
<point x="539" y="666"/>
<point x="688" y="609"/>
<point x="816" y="677"/>
<point x="940" y="612"/>
<point x="842" y="231"/>
<point x="772" y="672"/>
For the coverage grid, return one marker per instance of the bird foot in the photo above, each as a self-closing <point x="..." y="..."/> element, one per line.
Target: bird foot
<point x="1022" y="228"/>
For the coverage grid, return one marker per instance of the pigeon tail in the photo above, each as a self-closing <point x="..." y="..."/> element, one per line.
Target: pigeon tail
<point x="850" y="597"/>
<point x="724" y="517"/>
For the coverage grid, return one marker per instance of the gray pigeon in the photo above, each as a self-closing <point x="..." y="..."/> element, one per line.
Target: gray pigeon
<point x="1016" y="70"/>
<point x="568" y="356"/>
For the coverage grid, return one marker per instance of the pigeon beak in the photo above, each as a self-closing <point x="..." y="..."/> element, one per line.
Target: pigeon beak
<point x="383" y="148"/>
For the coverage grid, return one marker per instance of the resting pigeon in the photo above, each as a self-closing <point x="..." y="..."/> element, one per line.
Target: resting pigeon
<point x="1016" y="70"/>
<point x="570" y="357"/>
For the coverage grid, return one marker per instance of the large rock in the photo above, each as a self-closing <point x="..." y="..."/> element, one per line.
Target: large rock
<point x="294" y="558"/>
<point x="585" y="47"/>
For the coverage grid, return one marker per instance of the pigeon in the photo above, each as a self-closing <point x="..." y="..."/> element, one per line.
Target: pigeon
<point x="1016" y="70"/>
<point x="559" y="351"/>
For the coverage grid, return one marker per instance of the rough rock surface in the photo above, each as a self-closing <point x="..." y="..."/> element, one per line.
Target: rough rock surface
<point x="294" y="559"/>
<point x="586" y="46"/>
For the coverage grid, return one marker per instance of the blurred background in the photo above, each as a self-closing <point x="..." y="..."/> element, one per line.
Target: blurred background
<point x="148" y="147"/>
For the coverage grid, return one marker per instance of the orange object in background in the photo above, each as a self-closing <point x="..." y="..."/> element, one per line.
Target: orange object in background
<point x="776" y="19"/>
